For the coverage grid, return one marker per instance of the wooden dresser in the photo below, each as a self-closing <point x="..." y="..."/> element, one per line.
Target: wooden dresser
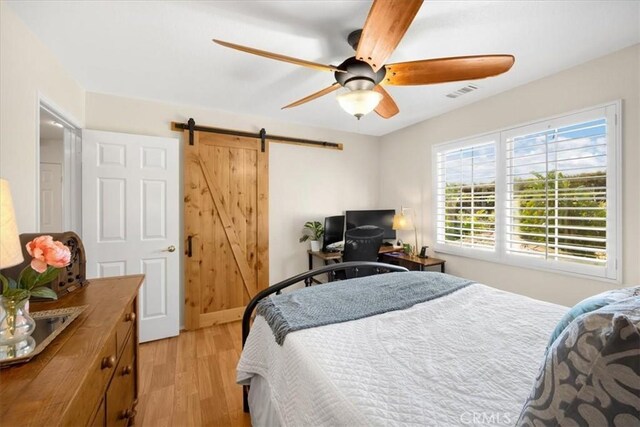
<point x="89" y="374"/>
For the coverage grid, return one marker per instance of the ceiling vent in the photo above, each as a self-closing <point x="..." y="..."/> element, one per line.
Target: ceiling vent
<point x="462" y="91"/>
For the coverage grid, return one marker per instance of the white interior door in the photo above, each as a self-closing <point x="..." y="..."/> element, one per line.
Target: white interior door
<point x="51" y="198"/>
<point x="130" y="220"/>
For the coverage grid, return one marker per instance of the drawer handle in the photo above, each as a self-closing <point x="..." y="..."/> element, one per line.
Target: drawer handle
<point x="127" y="370"/>
<point x="108" y="362"/>
<point x="130" y="317"/>
<point x="129" y="413"/>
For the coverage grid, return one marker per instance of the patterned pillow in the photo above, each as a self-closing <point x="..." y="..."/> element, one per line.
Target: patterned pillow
<point x="591" y="304"/>
<point x="591" y="374"/>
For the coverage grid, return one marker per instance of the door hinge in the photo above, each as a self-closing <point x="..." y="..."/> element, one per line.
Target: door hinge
<point x="263" y="137"/>
<point x="192" y="124"/>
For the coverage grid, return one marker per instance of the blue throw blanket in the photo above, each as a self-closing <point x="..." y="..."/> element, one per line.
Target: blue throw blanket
<point x="353" y="299"/>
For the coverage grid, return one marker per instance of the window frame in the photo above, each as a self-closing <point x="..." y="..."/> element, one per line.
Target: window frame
<point x="456" y="145"/>
<point x="612" y="272"/>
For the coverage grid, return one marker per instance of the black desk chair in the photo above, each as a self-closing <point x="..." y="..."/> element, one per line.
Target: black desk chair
<point x="361" y="244"/>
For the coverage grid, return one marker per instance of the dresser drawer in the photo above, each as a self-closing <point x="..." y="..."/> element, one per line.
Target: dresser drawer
<point x="121" y="392"/>
<point x="99" y="417"/>
<point x="127" y="320"/>
<point x="94" y="386"/>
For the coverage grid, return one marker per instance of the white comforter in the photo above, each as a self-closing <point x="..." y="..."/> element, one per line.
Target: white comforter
<point x="464" y="359"/>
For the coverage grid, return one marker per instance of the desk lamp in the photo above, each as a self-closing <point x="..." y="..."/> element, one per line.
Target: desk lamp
<point x="404" y="222"/>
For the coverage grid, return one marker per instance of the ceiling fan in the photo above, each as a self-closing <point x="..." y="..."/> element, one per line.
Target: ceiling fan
<point x="364" y="74"/>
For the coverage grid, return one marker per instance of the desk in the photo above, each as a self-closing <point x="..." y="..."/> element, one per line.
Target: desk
<point x="337" y="256"/>
<point x="409" y="261"/>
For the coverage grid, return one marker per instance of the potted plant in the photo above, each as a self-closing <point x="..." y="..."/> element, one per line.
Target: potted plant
<point x="313" y="230"/>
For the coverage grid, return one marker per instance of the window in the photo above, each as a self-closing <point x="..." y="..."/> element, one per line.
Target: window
<point x="544" y="195"/>
<point x="467" y="195"/>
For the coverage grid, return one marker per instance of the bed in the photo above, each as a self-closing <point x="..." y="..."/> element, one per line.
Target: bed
<point x="468" y="357"/>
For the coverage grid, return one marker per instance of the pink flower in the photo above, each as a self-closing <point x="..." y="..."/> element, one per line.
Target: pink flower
<point x="46" y="252"/>
<point x="58" y="255"/>
<point x="37" y="248"/>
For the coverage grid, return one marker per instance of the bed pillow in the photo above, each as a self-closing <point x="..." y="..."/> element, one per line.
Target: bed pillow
<point x="591" y="304"/>
<point x="591" y="374"/>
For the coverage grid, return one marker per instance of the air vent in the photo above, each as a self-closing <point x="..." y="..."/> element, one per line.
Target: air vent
<point x="462" y="91"/>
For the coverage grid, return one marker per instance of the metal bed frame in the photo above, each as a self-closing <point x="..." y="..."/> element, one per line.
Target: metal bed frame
<point x="305" y="277"/>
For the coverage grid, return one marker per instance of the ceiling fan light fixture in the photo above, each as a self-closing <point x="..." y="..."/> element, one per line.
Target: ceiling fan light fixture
<point x="361" y="74"/>
<point x="359" y="102"/>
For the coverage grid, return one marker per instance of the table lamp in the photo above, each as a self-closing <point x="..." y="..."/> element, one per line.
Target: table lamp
<point x="10" y="248"/>
<point x="404" y="222"/>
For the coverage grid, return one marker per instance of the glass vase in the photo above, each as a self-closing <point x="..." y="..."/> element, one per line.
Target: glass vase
<point x="16" y="326"/>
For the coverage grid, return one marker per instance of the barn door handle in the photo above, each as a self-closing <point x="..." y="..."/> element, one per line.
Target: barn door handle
<point x="189" y="251"/>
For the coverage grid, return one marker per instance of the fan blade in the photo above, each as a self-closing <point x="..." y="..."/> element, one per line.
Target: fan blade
<point x="313" y="96"/>
<point x="385" y="26"/>
<point x="296" y="61"/>
<point x="387" y="107"/>
<point x="442" y="70"/>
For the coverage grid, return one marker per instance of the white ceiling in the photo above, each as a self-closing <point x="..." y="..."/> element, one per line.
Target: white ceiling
<point x="163" y="50"/>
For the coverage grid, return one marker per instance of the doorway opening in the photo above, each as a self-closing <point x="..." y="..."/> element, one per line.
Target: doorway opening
<point x="60" y="171"/>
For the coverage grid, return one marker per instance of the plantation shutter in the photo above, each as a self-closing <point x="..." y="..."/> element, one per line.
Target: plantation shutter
<point x="466" y="196"/>
<point x="556" y="181"/>
<point x="544" y="195"/>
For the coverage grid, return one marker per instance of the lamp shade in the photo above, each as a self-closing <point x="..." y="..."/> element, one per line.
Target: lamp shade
<point x="10" y="249"/>
<point x="359" y="102"/>
<point x="402" y="222"/>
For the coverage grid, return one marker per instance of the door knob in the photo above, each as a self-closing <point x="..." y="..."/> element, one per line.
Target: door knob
<point x="171" y="249"/>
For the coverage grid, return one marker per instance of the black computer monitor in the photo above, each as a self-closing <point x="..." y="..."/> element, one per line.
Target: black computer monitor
<point x="333" y="230"/>
<point x="380" y="218"/>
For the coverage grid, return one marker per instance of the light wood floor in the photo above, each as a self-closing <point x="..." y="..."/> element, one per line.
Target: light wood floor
<point x="189" y="380"/>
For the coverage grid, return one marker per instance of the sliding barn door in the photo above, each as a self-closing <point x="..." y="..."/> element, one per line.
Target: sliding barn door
<point x="226" y="226"/>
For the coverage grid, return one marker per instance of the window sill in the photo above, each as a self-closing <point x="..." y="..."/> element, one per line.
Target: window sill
<point x="493" y="257"/>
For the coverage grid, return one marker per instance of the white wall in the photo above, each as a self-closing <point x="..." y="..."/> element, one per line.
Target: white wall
<point x="304" y="183"/>
<point x="616" y="76"/>
<point x="310" y="184"/>
<point x="27" y="70"/>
